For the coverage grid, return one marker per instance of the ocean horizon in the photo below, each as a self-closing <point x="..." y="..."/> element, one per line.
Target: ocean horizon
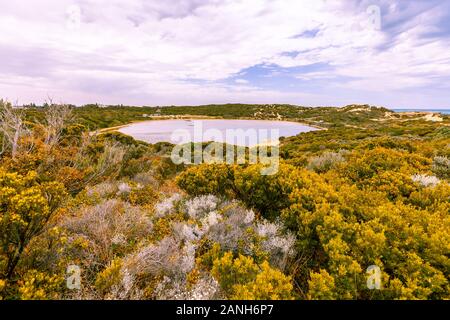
<point x="443" y="111"/>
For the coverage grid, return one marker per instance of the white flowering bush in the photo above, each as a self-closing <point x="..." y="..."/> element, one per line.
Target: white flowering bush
<point x="108" y="227"/>
<point x="167" y="206"/>
<point x="200" y="206"/>
<point x="167" y="260"/>
<point x="280" y="244"/>
<point x="235" y="228"/>
<point x="119" y="239"/>
<point x="124" y="188"/>
<point x="441" y="167"/>
<point x="126" y="288"/>
<point x="425" y="180"/>
<point x="167" y="267"/>
<point x="232" y="232"/>
<point x="205" y="288"/>
<point x="187" y="231"/>
<point x="168" y="257"/>
<point x="326" y="161"/>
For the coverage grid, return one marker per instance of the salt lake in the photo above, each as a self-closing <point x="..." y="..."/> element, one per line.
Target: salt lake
<point x="218" y="130"/>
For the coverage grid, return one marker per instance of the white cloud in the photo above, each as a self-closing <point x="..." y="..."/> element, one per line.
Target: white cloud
<point x="241" y="81"/>
<point x="150" y="52"/>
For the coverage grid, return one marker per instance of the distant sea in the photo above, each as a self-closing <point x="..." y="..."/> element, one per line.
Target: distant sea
<point x="443" y="111"/>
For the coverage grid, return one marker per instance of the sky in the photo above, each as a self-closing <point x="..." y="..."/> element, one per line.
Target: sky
<point x="392" y="53"/>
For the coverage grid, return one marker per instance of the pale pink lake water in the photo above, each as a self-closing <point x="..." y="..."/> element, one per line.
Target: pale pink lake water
<point x="212" y="130"/>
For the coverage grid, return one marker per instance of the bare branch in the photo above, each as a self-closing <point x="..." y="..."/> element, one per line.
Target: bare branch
<point x="12" y="127"/>
<point x="56" y="118"/>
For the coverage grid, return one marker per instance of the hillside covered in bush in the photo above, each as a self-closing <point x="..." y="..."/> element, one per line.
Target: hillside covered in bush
<point x="371" y="188"/>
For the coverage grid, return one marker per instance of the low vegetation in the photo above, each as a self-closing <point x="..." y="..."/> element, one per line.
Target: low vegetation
<point x="371" y="189"/>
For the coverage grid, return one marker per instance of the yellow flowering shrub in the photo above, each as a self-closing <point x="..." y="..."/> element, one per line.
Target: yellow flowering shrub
<point x="267" y="193"/>
<point x="2" y="286"/>
<point x="269" y="284"/>
<point x="229" y="271"/>
<point x="242" y="278"/>
<point x="207" y="179"/>
<point x="142" y="196"/>
<point x="366" y="164"/>
<point x="26" y="205"/>
<point x="321" y="286"/>
<point x="365" y="211"/>
<point x="355" y="229"/>
<point x="270" y="193"/>
<point x="362" y="194"/>
<point x="36" y="285"/>
<point x="109" y="276"/>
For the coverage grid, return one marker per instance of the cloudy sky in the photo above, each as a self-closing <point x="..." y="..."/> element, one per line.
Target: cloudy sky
<point x="394" y="53"/>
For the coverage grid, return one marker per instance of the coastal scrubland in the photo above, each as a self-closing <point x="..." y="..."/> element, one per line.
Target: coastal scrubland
<point x="369" y="189"/>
